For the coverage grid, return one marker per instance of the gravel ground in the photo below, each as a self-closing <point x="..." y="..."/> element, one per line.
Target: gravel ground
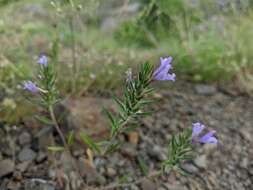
<point x="25" y="163"/>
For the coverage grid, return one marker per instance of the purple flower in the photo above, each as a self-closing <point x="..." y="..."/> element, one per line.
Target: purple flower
<point x="30" y="86"/>
<point x="197" y="128"/>
<point x="129" y="75"/>
<point x="42" y="60"/>
<point x="161" y="73"/>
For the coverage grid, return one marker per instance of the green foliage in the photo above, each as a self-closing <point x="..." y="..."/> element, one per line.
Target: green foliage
<point x="133" y="103"/>
<point x="180" y="150"/>
<point x="143" y="166"/>
<point x="5" y="2"/>
<point x="131" y="33"/>
<point x="89" y="141"/>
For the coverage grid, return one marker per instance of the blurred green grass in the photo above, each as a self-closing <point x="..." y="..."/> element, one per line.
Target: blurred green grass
<point x="204" y="49"/>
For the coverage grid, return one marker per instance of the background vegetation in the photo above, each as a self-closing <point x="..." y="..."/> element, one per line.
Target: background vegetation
<point x="210" y="40"/>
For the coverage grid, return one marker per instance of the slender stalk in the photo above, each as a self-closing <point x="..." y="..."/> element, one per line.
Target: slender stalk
<point x="66" y="146"/>
<point x="73" y="51"/>
<point x="57" y="127"/>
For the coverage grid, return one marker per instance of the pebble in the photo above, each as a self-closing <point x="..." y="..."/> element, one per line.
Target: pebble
<point x="206" y="90"/>
<point x="133" y="137"/>
<point x="24" y="138"/>
<point x="26" y="154"/>
<point x="6" y="167"/>
<point x="22" y="167"/>
<point x="111" y="172"/>
<point x="88" y="170"/>
<point x="41" y="157"/>
<point x="157" y="153"/>
<point x="148" y="185"/>
<point x="201" y="161"/>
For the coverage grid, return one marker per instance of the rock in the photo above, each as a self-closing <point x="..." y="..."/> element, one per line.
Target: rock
<point x="44" y="138"/>
<point x="41" y="157"/>
<point x="13" y="185"/>
<point x="38" y="185"/>
<point x="148" y="185"/>
<point x="111" y="172"/>
<point x="6" y="146"/>
<point x="109" y="24"/>
<point x="190" y="168"/>
<point x="157" y="153"/>
<point x="85" y="115"/>
<point x="88" y="170"/>
<point x="26" y="154"/>
<point x="22" y="167"/>
<point x="206" y="90"/>
<point x="67" y="162"/>
<point x="129" y="150"/>
<point x="133" y="137"/>
<point x="245" y="134"/>
<point x="201" y="161"/>
<point x="6" y="167"/>
<point x="161" y="188"/>
<point x="24" y="138"/>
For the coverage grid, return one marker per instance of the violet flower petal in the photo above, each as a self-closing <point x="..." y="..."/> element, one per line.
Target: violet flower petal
<point x="197" y="128"/>
<point x="208" y="138"/>
<point x="30" y="86"/>
<point x="42" y="60"/>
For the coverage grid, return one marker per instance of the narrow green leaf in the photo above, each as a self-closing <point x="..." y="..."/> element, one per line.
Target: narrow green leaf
<point x="112" y="147"/>
<point x="120" y="104"/>
<point x="44" y="120"/>
<point x="56" y="148"/>
<point x="70" y="138"/>
<point x="124" y="178"/>
<point x="143" y="166"/>
<point x="88" y="141"/>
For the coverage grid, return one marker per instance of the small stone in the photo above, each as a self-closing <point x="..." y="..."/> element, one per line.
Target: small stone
<point x="26" y="154"/>
<point x="245" y="134"/>
<point x="41" y="157"/>
<point x="6" y="167"/>
<point x="201" y="161"/>
<point x="129" y="149"/>
<point x="244" y="163"/>
<point x="22" y="167"/>
<point x="157" y="153"/>
<point x="13" y="185"/>
<point x="161" y="188"/>
<point x="111" y="172"/>
<point x="109" y="24"/>
<point x="45" y="186"/>
<point x="148" y="185"/>
<point x="206" y="90"/>
<point x="24" y="138"/>
<point x="45" y="138"/>
<point x="88" y="170"/>
<point x="190" y="168"/>
<point x="67" y="162"/>
<point x="133" y="137"/>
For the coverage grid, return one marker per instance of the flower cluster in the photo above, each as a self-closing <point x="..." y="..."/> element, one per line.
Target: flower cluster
<point x="29" y="85"/>
<point x="197" y="128"/>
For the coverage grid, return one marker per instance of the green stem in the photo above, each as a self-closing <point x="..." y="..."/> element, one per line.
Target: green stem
<point x="57" y="127"/>
<point x="73" y="50"/>
<point x="66" y="146"/>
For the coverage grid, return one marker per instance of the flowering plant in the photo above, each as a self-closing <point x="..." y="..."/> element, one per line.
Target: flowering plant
<point x="130" y="108"/>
